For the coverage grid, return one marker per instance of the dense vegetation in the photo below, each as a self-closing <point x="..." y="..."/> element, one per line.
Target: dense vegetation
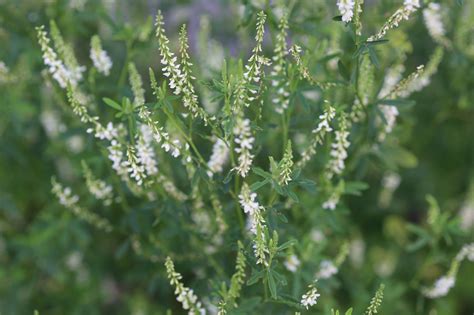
<point x="237" y="157"/>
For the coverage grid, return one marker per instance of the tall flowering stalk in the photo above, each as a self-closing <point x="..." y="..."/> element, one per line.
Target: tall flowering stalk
<point x="339" y="149"/>
<point x="403" y="13"/>
<point x="279" y="73"/>
<point x="70" y="201"/>
<point x="56" y="67"/>
<point x="318" y="135"/>
<point x="346" y="7"/>
<point x="244" y="94"/>
<point x="99" y="56"/>
<point x="254" y="210"/>
<point x="184" y="295"/>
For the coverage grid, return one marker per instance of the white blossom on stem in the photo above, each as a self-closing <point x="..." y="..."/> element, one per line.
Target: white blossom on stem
<point x="244" y="144"/>
<point x="219" y="157"/>
<point x="99" y="56"/>
<point x="145" y="153"/>
<point x="326" y="269"/>
<point x="346" y="7"/>
<point x="433" y="20"/>
<point x="310" y="298"/>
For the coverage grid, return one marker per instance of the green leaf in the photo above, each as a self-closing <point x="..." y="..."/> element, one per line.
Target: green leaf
<point x="286" y="245"/>
<point x="112" y="103"/>
<point x="355" y="188"/>
<point x="261" y="172"/>
<point x="272" y="284"/>
<point x="257" y="185"/>
<point x="376" y="42"/>
<point x="349" y="311"/>
<point x="228" y="177"/>
<point x="373" y="57"/>
<point x="343" y="70"/>
<point x="256" y="275"/>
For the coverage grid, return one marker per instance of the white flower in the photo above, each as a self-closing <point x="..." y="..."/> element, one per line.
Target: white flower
<point x="310" y="298"/>
<point x="145" y="153"/>
<point x="109" y="133"/>
<point x="467" y="251"/>
<point x="332" y="202"/>
<point x="346" y="7"/>
<point x="338" y="152"/>
<point x="466" y="215"/>
<point x="136" y="170"/>
<point x="440" y="288"/>
<point x="391" y="181"/>
<point x="248" y="202"/>
<point x="116" y="156"/>
<point x="411" y="5"/>
<point x="52" y="123"/>
<point x="292" y="263"/>
<point x="326" y="270"/>
<point x="244" y="144"/>
<point x="392" y="77"/>
<point x="65" y="196"/>
<point x="99" y="57"/>
<point x="390" y="114"/>
<point x="433" y="21"/>
<point x="219" y="157"/>
<point x="317" y="236"/>
<point x="59" y="71"/>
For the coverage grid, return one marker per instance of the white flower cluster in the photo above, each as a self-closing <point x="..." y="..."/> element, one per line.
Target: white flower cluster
<point x="310" y="298"/>
<point x="69" y="201"/>
<point x="55" y="66"/>
<point x="346" y="7"/>
<point x="219" y="157"/>
<point x="254" y="210"/>
<point x="254" y="67"/>
<point x="184" y="295"/>
<point x="52" y="123"/>
<point x="97" y="187"/>
<point x="170" y="68"/>
<point x="60" y="72"/>
<point x="117" y="157"/>
<point x="332" y="202"/>
<point x="280" y="81"/>
<point x="467" y="251"/>
<point x="292" y="263"/>
<point x="466" y="215"/>
<point x="319" y="132"/>
<point x="411" y="5"/>
<point x="390" y="114"/>
<point x="99" y="57"/>
<point x="339" y="151"/>
<point x="326" y="269"/>
<point x="145" y="153"/>
<point x="433" y="20"/>
<point x="392" y="77"/>
<point x="188" y="299"/>
<point x="244" y="140"/>
<point x="64" y="194"/>
<point x="324" y="120"/>
<point x="441" y="287"/>
<point x="403" y="13"/>
<point x="101" y="190"/>
<point x="134" y="168"/>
